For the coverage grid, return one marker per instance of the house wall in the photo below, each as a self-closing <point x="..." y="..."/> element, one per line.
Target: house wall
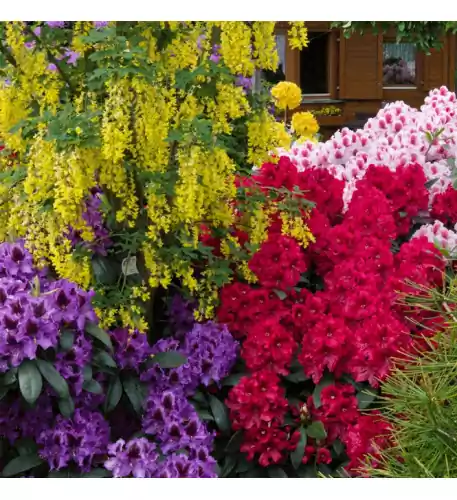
<point x="355" y="74"/>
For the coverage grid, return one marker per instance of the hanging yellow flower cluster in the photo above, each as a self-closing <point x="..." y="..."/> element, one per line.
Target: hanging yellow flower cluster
<point x="147" y="120"/>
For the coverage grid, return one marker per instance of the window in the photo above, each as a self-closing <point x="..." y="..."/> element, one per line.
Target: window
<point x="314" y="64"/>
<point x="279" y="75"/>
<point x="399" y="65"/>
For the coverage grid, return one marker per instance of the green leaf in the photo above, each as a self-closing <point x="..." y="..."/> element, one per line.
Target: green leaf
<point x="87" y="373"/>
<point x="26" y="446"/>
<point x="307" y="471"/>
<point x="3" y="392"/>
<point x="430" y="183"/>
<point x="21" y="464"/>
<point x="235" y="442"/>
<point x="297" y="377"/>
<point x="169" y="359"/>
<point x="133" y="390"/>
<point x="281" y="295"/>
<point x="229" y="465"/>
<point x="54" y="378"/>
<point x="67" y="339"/>
<point x="204" y="414"/>
<point x="327" y="379"/>
<point x="66" y="407"/>
<point x="338" y="447"/>
<point x="93" y="386"/>
<point x="113" y="395"/>
<point x="9" y="378"/>
<point x="30" y="381"/>
<point x="220" y="413"/>
<point x="100" y="334"/>
<point x="276" y="473"/>
<point x="365" y="398"/>
<point x="96" y="473"/>
<point x="232" y="380"/>
<point x="316" y="430"/>
<point x="297" y="455"/>
<point x="102" y="358"/>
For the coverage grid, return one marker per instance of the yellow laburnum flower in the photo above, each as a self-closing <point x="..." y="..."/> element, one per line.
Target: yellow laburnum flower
<point x="298" y="35"/>
<point x="304" y="124"/>
<point x="287" y="95"/>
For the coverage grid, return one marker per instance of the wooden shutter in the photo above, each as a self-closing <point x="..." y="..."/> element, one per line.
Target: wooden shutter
<point x="361" y="66"/>
<point x="436" y="68"/>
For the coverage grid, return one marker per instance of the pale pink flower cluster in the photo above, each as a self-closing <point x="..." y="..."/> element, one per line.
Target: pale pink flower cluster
<point x="398" y="135"/>
<point x="440" y="236"/>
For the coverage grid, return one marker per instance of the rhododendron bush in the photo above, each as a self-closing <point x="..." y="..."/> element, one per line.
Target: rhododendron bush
<point x="321" y="327"/>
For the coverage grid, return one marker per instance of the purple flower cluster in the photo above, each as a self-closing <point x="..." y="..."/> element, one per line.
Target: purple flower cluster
<point x="71" y="363"/>
<point x="130" y="348"/>
<point x="93" y="218"/>
<point x="169" y="417"/>
<point x="18" y="421"/>
<point x="210" y="350"/>
<point x="174" y="422"/>
<point x="83" y="439"/>
<point x="245" y="82"/>
<point x="137" y="458"/>
<point x="215" y="55"/>
<point x="30" y="319"/>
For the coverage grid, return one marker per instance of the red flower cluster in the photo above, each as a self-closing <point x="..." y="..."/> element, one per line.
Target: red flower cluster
<point x="351" y="325"/>
<point x="444" y="206"/>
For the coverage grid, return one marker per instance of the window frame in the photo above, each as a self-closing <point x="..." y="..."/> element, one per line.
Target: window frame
<point x="418" y="69"/>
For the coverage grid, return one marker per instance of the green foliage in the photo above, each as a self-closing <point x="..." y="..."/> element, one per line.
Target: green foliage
<point x="425" y="35"/>
<point x="420" y="401"/>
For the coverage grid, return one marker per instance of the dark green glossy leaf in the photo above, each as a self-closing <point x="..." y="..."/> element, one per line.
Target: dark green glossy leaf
<point x="276" y="472"/>
<point x="96" y="473"/>
<point x="102" y="358"/>
<point x="228" y="466"/>
<point x="100" y="334"/>
<point x="21" y="464"/>
<point x="307" y="471"/>
<point x="327" y="379"/>
<point x="281" y="295"/>
<point x="365" y="398"/>
<point x="10" y="377"/>
<point x="26" y="446"/>
<point x="93" y="386"/>
<point x="114" y="394"/>
<point x="54" y="378"/>
<point x="169" y="359"/>
<point x="235" y="442"/>
<point x="232" y="380"/>
<point x="134" y="391"/>
<point x="316" y="430"/>
<point x="297" y="377"/>
<point x="220" y="414"/>
<point x="87" y="373"/>
<point x="205" y="414"/>
<point x="66" y="407"/>
<point x="338" y="447"/>
<point x="67" y="339"/>
<point x="30" y="381"/>
<point x="297" y="455"/>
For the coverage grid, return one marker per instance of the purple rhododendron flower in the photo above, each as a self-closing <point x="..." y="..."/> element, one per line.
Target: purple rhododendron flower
<point x="56" y="24"/>
<point x="93" y="218"/>
<point x="130" y="349"/>
<point x="82" y="439"/>
<point x="137" y="458"/>
<point x="100" y="24"/>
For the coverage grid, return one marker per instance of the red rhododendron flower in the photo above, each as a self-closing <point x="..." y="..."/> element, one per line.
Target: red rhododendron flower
<point x="257" y="399"/>
<point x="269" y="345"/>
<point x="279" y="263"/>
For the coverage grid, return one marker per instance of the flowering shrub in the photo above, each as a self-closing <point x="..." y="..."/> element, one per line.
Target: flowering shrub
<point x="78" y="401"/>
<point x="322" y="326"/>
